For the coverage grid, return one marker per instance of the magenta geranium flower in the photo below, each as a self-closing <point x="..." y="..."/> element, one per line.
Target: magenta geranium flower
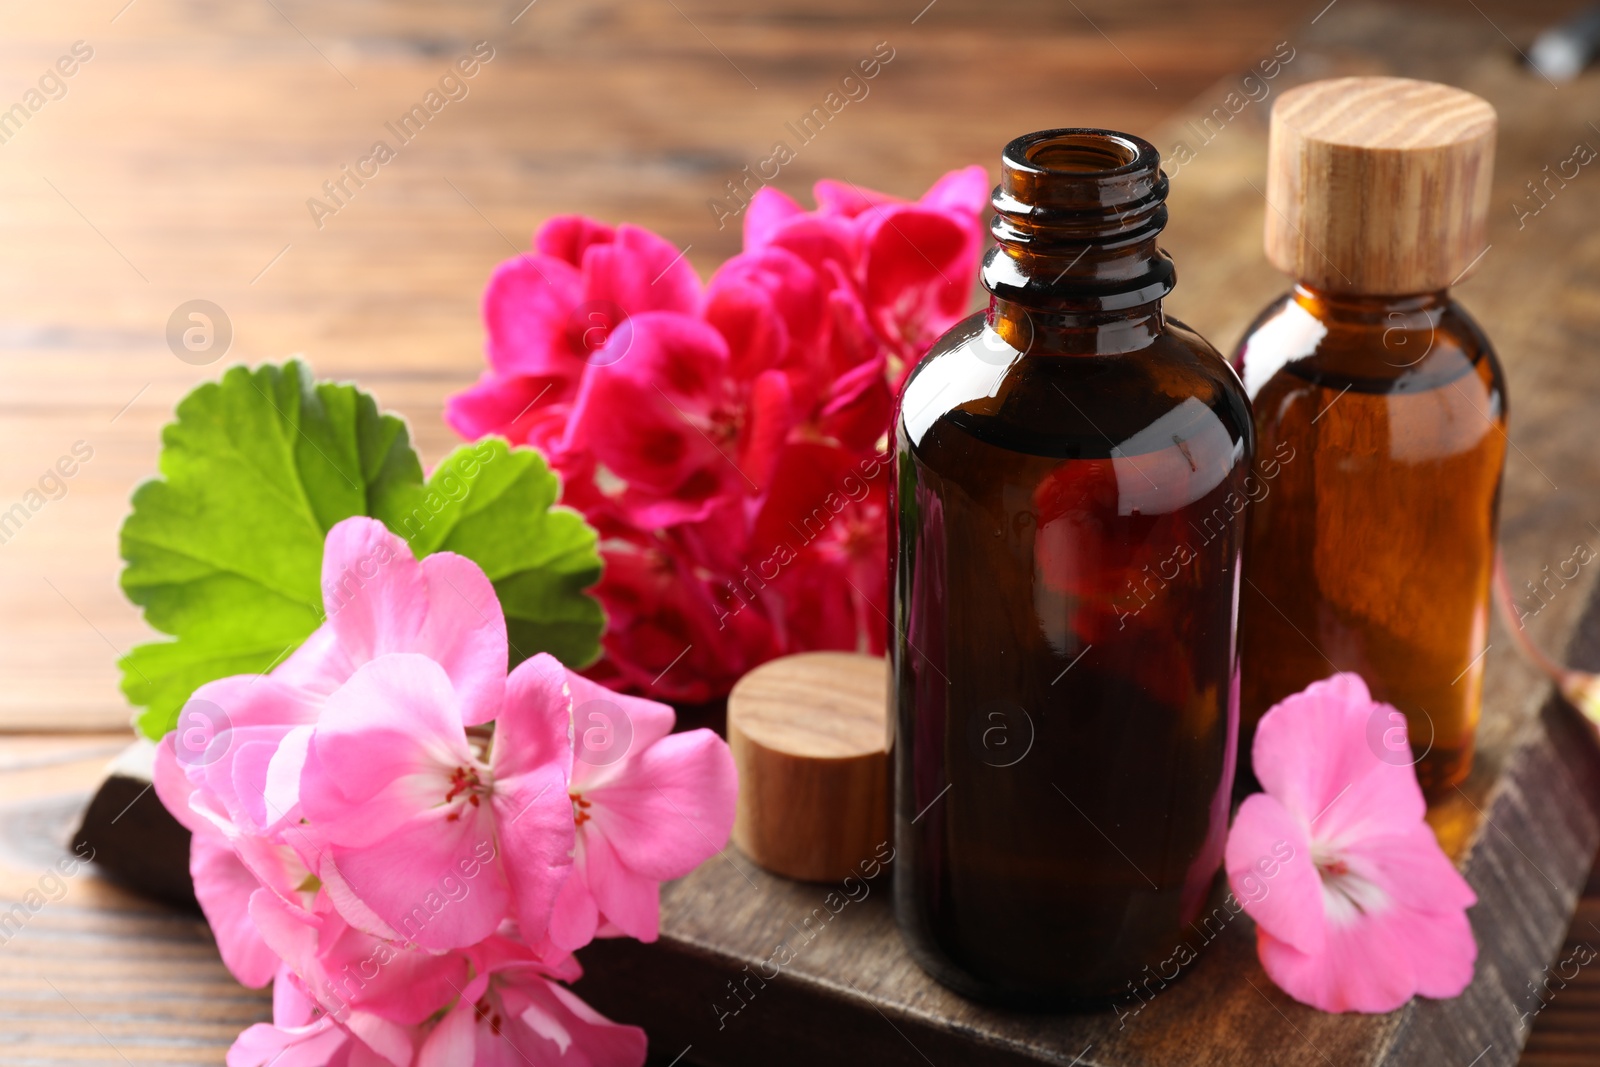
<point x="677" y="415"/>
<point x="1357" y="907"/>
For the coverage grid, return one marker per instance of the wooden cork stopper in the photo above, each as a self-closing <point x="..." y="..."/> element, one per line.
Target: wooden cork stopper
<point x="1378" y="186"/>
<point x="809" y="735"/>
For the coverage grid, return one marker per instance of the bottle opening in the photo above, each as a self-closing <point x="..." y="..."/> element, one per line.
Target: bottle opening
<point x="1076" y="216"/>
<point x="1082" y="153"/>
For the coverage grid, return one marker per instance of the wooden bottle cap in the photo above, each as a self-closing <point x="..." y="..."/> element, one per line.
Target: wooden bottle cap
<point x="1378" y="186"/>
<point x="809" y="736"/>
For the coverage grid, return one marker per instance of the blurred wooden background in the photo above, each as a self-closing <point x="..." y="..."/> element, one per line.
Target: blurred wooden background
<point x="177" y="165"/>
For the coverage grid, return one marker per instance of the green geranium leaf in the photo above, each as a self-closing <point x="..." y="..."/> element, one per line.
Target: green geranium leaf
<point x="224" y="550"/>
<point x="496" y="506"/>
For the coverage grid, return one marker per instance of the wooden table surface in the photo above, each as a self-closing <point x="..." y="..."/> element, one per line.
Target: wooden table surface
<point x="177" y="165"/>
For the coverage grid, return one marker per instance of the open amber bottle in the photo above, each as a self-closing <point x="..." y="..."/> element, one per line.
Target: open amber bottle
<point x="1069" y="471"/>
<point x="1382" y="409"/>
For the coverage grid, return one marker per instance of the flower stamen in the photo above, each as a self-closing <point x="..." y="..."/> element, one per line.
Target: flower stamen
<point x="464" y="780"/>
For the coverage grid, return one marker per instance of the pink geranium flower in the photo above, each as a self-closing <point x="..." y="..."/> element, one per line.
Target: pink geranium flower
<point x="301" y="1034"/>
<point x="649" y="805"/>
<point x="380" y="599"/>
<point x="512" y="1013"/>
<point x="1368" y="911"/>
<point x="403" y="803"/>
<point x="384" y="825"/>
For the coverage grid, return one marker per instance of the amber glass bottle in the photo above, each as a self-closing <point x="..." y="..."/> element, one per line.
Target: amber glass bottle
<point x="1069" y="471"/>
<point x="1382" y="409"/>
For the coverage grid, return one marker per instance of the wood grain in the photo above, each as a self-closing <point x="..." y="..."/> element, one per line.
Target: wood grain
<point x="180" y="161"/>
<point x="809" y="735"/>
<point x="1378" y="185"/>
<point x="178" y="166"/>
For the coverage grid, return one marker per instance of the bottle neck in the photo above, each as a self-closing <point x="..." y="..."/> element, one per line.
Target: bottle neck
<point x="1075" y="266"/>
<point x="1413" y="310"/>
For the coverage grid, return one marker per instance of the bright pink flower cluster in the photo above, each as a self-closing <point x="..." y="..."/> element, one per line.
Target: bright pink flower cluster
<point x="413" y="881"/>
<point x="727" y="440"/>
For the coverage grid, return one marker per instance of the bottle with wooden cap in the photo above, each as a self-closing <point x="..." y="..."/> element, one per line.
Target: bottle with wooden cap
<point x="1069" y="500"/>
<point x="1380" y="415"/>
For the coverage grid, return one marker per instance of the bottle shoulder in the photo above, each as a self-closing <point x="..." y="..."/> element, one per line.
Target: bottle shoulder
<point x="1404" y="346"/>
<point x="1072" y="403"/>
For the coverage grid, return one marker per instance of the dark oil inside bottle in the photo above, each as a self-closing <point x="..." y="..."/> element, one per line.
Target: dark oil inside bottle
<point x="1372" y="549"/>
<point x="1070" y="491"/>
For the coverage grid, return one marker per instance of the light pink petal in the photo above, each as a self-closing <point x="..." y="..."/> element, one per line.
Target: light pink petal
<point x="372" y="589"/>
<point x="1383" y="801"/>
<point x="1411" y="869"/>
<point x="293" y="936"/>
<point x="389" y="1040"/>
<point x="290" y="1004"/>
<point x="404" y="985"/>
<point x="453" y="1042"/>
<point x="250" y="764"/>
<point x="465" y="633"/>
<point x="402" y="879"/>
<point x="223" y="886"/>
<point x="1283" y="895"/>
<point x="581" y="1036"/>
<point x="276" y="867"/>
<point x="281" y="786"/>
<point x="248" y="700"/>
<point x="1312" y="752"/>
<point x="1442" y="950"/>
<point x="535" y="728"/>
<point x="534" y="816"/>
<point x="646" y="722"/>
<point x="630" y="900"/>
<point x="348" y="903"/>
<point x="576" y="915"/>
<point x="318" y="666"/>
<point x="308" y="1046"/>
<point x="396" y="717"/>
<point x="1364" y="966"/>
<point x="671" y="810"/>
<point x="176" y="791"/>
<point x="234" y="779"/>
